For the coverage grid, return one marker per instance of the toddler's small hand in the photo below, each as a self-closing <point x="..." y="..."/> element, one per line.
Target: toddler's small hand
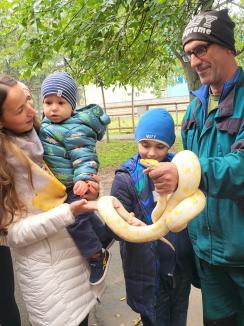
<point x="93" y="188"/>
<point x="80" y="188"/>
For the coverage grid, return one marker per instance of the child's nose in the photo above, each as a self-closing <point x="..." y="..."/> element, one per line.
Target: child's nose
<point x="151" y="152"/>
<point x="54" y="107"/>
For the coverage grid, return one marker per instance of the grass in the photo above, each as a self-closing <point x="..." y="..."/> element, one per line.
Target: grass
<point x="115" y="152"/>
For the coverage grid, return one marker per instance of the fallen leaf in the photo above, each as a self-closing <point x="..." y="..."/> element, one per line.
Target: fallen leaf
<point x="137" y="321"/>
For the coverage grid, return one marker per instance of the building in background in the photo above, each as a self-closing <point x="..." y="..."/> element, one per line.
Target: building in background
<point x="180" y="88"/>
<point x="93" y="94"/>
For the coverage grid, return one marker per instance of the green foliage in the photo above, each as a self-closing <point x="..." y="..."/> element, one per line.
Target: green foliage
<point x="108" y="42"/>
<point x="129" y="42"/>
<point x="239" y="32"/>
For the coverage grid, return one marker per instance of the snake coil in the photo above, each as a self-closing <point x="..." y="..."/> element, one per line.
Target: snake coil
<point x="172" y="212"/>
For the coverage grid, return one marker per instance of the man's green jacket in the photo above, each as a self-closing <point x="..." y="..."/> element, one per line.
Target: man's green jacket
<point x="218" y="139"/>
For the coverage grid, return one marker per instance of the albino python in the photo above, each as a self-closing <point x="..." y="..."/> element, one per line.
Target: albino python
<point x="171" y="213"/>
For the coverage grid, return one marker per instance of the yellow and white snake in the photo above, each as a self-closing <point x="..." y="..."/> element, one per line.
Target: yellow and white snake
<point x="172" y="212"/>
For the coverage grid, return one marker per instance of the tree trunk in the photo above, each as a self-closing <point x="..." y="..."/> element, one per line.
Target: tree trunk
<point x="190" y="74"/>
<point x="132" y="108"/>
<point x="104" y="107"/>
<point x="191" y="77"/>
<point x="84" y="94"/>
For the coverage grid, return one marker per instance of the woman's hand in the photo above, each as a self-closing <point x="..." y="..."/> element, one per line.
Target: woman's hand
<point x="82" y="206"/>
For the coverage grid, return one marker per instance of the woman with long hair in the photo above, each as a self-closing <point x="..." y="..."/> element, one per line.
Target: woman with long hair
<point x="53" y="276"/>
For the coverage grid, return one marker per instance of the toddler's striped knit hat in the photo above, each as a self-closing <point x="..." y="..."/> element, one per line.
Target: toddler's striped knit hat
<point x="60" y="84"/>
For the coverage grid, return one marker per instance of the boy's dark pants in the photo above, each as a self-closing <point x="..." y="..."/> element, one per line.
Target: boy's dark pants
<point x="88" y="231"/>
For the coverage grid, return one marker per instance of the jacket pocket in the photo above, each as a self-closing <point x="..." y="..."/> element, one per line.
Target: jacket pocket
<point x="227" y="131"/>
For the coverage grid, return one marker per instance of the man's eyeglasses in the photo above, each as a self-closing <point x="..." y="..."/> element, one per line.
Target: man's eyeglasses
<point x="199" y="52"/>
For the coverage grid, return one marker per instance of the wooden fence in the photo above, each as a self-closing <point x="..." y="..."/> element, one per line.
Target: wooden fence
<point x="122" y="110"/>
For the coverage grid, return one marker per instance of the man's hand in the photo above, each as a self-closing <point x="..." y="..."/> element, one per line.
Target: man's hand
<point x="165" y="177"/>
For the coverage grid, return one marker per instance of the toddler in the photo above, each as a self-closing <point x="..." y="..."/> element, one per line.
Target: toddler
<point x="69" y="137"/>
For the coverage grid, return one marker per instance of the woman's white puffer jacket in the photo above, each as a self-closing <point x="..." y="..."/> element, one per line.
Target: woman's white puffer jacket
<point x="53" y="276"/>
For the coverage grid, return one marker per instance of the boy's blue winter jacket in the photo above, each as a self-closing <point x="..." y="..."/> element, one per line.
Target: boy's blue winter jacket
<point x="70" y="146"/>
<point x="143" y="263"/>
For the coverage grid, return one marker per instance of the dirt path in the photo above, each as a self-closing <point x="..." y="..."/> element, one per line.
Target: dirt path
<point x="107" y="176"/>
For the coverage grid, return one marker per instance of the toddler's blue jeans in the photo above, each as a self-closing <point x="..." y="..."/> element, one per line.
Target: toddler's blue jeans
<point x="88" y="231"/>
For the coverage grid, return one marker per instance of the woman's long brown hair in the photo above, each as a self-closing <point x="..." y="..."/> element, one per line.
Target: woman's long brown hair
<point x="10" y="203"/>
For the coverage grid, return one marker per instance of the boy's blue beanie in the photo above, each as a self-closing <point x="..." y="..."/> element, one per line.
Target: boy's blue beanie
<point x="156" y="124"/>
<point x="60" y="84"/>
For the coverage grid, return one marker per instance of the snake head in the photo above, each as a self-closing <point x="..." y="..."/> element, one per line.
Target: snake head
<point x="149" y="163"/>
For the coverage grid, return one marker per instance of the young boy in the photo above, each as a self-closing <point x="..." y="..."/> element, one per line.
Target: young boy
<point x="69" y="139"/>
<point x="158" y="279"/>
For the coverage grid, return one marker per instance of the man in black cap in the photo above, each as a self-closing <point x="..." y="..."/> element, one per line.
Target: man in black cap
<point x="213" y="128"/>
